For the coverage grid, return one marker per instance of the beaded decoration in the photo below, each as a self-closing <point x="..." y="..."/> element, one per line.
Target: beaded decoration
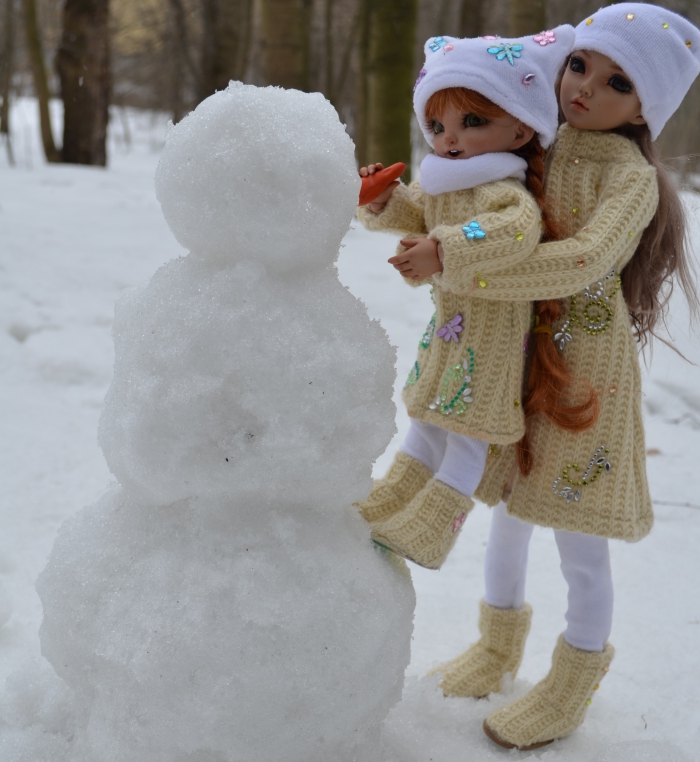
<point x="596" y="314"/>
<point x="545" y="38"/>
<point x="473" y="230"/>
<point x="413" y="375"/>
<point x="505" y="50"/>
<point x="427" y="337"/>
<point x="437" y="43"/>
<point x="597" y="464"/>
<point x="449" y="331"/>
<point x="457" y="376"/>
<point x="528" y="79"/>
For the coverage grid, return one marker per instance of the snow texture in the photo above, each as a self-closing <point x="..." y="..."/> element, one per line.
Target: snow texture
<point x="224" y="601"/>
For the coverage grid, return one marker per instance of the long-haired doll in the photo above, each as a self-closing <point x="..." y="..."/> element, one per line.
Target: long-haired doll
<point x="603" y="291"/>
<point x="488" y="109"/>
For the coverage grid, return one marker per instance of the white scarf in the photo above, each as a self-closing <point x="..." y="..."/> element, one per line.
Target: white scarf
<point x="438" y="175"/>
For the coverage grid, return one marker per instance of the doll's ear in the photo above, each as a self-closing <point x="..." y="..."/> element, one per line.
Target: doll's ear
<point x="638" y="120"/>
<point x="523" y="135"/>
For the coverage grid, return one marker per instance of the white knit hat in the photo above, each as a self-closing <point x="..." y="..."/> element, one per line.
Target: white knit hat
<point x="517" y="74"/>
<point x="657" y="49"/>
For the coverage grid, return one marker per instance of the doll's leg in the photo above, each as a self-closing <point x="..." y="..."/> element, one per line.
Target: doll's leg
<point x="425" y="531"/>
<point x="504" y="617"/>
<point x="557" y="705"/>
<point x="417" y="460"/>
<point x="585" y="564"/>
<point x="505" y="565"/>
<point x="425" y="443"/>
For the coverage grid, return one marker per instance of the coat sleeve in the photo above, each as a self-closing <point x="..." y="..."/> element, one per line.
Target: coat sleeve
<point x="404" y="213"/>
<point x="557" y="269"/>
<point x="510" y="224"/>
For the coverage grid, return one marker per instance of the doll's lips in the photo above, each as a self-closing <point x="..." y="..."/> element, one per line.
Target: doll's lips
<point x="579" y="104"/>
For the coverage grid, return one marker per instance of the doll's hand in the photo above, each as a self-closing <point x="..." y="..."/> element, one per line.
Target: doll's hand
<point x="419" y="260"/>
<point x="377" y="205"/>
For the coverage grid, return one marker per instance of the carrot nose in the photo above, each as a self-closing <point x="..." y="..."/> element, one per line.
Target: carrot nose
<point x="374" y="185"/>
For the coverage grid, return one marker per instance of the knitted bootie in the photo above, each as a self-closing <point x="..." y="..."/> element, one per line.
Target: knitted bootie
<point x="404" y="480"/>
<point x="557" y="705"/>
<point x="425" y="531"/>
<point x="479" y="670"/>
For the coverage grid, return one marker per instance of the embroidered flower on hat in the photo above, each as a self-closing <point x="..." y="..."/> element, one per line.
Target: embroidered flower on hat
<point x="545" y="38"/>
<point x="506" y="50"/>
<point x="421" y="74"/>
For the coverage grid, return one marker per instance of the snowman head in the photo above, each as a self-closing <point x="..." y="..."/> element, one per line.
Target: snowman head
<point x="260" y="173"/>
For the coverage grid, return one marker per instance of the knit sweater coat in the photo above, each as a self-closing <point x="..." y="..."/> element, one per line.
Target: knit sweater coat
<point x="593" y="482"/>
<point x="471" y="385"/>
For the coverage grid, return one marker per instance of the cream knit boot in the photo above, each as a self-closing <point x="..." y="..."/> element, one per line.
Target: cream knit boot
<point x="404" y="480"/>
<point x="556" y="706"/>
<point x="425" y="531"/>
<point x="479" y="670"/>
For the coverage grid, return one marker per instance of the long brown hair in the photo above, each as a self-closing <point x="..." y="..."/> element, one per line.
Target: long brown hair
<point x="548" y="378"/>
<point x="662" y="254"/>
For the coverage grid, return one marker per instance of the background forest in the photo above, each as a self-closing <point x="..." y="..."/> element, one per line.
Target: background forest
<point x="168" y="55"/>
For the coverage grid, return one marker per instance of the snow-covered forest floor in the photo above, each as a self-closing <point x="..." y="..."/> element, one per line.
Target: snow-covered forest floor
<point x="72" y="238"/>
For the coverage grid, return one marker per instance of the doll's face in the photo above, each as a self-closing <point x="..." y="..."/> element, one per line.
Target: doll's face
<point x="462" y="136"/>
<point x="596" y="94"/>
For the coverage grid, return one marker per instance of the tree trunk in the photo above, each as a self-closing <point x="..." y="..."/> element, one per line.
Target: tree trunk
<point x="389" y="71"/>
<point x="6" y="65"/>
<point x="82" y="63"/>
<point x="527" y="17"/>
<point x="41" y="85"/>
<point x="286" y="42"/>
<point x="471" y="18"/>
<point x="226" y="43"/>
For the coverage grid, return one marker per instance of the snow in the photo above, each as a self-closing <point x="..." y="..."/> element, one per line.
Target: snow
<point x="72" y="239"/>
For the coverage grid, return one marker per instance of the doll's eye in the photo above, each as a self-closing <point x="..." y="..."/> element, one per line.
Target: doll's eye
<point x="577" y="64"/>
<point x="436" y="127"/>
<point x="473" y="120"/>
<point x="620" y="84"/>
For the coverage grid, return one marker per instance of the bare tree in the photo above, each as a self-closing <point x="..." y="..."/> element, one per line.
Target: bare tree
<point x="388" y="55"/>
<point x="82" y="63"/>
<point x="227" y="32"/>
<point x="286" y="42"/>
<point x="6" y="64"/>
<point x="527" y="17"/>
<point x="471" y="18"/>
<point x="41" y="85"/>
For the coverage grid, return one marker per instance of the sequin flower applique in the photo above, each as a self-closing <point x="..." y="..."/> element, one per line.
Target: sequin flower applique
<point x="473" y="230"/>
<point x="421" y="74"/>
<point x="506" y="50"/>
<point x="437" y="43"/>
<point x="450" y="330"/>
<point x="545" y="38"/>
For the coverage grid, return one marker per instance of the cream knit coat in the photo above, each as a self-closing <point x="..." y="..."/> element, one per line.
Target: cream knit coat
<point x="594" y="482"/>
<point x="471" y="386"/>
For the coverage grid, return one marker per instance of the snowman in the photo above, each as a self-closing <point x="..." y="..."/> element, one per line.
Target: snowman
<point x="223" y="601"/>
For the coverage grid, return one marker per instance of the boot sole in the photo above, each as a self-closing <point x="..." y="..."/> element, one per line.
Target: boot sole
<point x="383" y="544"/>
<point x="508" y="745"/>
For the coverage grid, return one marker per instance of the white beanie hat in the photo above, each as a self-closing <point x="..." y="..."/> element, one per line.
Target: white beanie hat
<point x="657" y="49"/>
<point x="517" y="74"/>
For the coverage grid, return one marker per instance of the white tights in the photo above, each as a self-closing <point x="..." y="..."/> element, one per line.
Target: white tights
<point x="585" y="564"/>
<point x="454" y="459"/>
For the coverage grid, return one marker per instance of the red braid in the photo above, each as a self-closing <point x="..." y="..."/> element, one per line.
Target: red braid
<point x="548" y="377"/>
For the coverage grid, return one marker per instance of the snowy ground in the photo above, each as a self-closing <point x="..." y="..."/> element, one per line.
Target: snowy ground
<point x="71" y="239"/>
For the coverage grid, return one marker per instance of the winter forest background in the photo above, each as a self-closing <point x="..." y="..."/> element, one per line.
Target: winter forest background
<point x="75" y="238"/>
<point x="168" y="55"/>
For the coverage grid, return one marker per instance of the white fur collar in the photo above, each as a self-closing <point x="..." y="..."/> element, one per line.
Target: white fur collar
<point x="438" y="175"/>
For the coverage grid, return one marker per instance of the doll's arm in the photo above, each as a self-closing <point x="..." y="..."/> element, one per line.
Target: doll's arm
<point x="557" y="269"/>
<point x="404" y="212"/>
<point x="504" y="234"/>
